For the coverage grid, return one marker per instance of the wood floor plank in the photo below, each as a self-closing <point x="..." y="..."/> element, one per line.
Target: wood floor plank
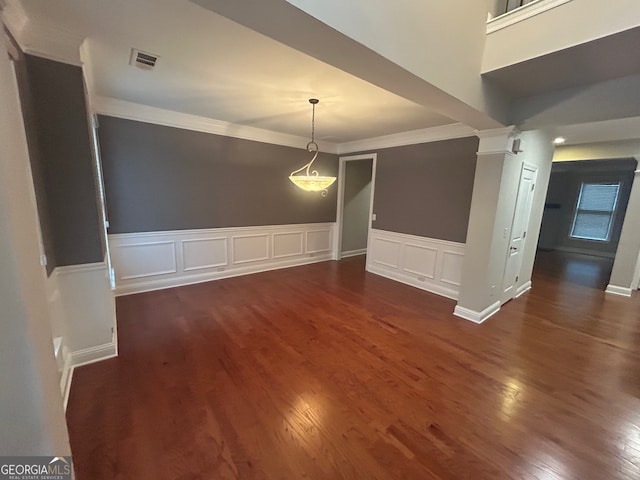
<point x="328" y="372"/>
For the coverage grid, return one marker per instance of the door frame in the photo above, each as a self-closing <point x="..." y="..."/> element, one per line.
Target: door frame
<point x="534" y="169"/>
<point x="337" y="241"/>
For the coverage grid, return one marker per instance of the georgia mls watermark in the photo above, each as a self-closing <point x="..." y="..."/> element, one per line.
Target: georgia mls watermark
<point x="35" y="468"/>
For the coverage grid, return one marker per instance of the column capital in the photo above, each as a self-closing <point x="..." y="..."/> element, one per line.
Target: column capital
<point x="497" y="140"/>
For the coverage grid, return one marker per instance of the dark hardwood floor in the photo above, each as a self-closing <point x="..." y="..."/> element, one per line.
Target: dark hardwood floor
<point x="326" y="372"/>
<point x="565" y="267"/>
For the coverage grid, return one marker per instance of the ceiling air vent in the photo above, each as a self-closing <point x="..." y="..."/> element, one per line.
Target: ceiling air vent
<point x="143" y="60"/>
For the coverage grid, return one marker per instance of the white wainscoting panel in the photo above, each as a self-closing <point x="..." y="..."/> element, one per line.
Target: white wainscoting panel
<point x="154" y="260"/>
<point x="83" y="314"/>
<point x="318" y="241"/>
<point x="427" y="263"/>
<point x="420" y="260"/>
<point x="139" y="260"/>
<point x="201" y="253"/>
<point x="250" y="248"/>
<point x="386" y="252"/>
<point x="451" y="267"/>
<point x="288" y="244"/>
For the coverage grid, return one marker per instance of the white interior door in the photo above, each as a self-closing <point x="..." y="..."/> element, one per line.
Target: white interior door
<point x="518" y="234"/>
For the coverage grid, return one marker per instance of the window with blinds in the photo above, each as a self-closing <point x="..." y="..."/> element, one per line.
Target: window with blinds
<point x="596" y="207"/>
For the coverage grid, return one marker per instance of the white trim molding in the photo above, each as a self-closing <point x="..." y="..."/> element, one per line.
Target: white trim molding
<point x="95" y="354"/>
<point x="220" y="253"/>
<point x="520" y="14"/>
<point x="425" y="135"/>
<point x="81" y="358"/>
<point x="42" y="39"/>
<point x="337" y="240"/>
<point x="476" y="317"/>
<point x="522" y="289"/>
<point x="617" y="290"/>
<point x="353" y="253"/>
<point x="498" y="141"/>
<point x="83" y="318"/>
<point x="169" y="118"/>
<point x="427" y="263"/>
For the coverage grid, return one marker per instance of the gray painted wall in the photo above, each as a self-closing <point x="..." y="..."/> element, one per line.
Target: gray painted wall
<point x="38" y="171"/>
<point x="562" y="196"/>
<point x="161" y="178"/>
<point x="425" y="189"/>
<point x="57" y="127"/>
<point x="357" y="199"/>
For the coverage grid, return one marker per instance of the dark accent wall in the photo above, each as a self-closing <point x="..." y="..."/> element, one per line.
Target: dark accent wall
<point x="52" y="96"/>
<point x="164" y="178"/>
<point x="425" y="189"/>
<point x="38" y="171"/>
<point x="562" y="198"/>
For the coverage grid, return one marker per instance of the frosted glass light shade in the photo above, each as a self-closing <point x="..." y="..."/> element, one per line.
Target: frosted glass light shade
<point x="312" y="183"/>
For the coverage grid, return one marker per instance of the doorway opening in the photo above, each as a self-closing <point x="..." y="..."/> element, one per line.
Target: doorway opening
<point x="356" y="181"/>
<point x="583" y="217"/>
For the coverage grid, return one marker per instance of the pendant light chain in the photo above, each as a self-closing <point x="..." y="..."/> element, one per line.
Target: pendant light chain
<point x="312" y="146"/>
<point x="313" y="123"/>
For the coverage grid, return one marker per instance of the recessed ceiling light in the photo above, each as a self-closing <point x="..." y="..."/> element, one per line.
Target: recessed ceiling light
<point x="559" y="140"/>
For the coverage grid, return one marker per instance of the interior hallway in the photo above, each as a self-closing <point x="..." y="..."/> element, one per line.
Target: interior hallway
<point x="327" y="372"/>
<point x="580" y="269"/>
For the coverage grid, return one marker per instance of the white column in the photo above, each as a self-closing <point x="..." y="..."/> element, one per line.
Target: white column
<point x="627" y="255"/>
<point x="495" y="191"/>
<point x="485" y="250"/>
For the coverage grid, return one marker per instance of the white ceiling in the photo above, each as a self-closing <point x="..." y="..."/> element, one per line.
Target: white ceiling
<point x="212" y="67"/>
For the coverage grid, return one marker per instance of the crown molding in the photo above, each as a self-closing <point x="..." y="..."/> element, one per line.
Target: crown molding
<point x="425" y="135"/>
<point x="502" y="132"/>
<point x="169" y="118"/>
<point x="522" y="13"/>
<point x="497" y="140"/>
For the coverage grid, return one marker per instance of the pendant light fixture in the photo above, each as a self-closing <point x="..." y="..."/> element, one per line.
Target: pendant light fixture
<point x="311" y="180"/>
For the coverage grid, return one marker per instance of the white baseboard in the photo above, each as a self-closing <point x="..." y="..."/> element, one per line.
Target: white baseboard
<point x="476" y="317"/>
<point x="525" y="287"/>
<point x="65" y="381"/>
<point x="616" y="290"/>
<point x="426" y="285"/>
<point x="93" y="354"/>
<point x="353" y="253"/>
<point x="81" y="358"/>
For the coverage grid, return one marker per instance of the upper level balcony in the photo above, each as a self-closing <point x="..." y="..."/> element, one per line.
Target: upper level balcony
<point x="520" y="30"/>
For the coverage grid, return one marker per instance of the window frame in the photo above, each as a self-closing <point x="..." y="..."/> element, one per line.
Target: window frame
<point x="612" y="214"/>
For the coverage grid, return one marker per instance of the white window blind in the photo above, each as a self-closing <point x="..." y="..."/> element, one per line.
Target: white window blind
<point x="596" y="206"/>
